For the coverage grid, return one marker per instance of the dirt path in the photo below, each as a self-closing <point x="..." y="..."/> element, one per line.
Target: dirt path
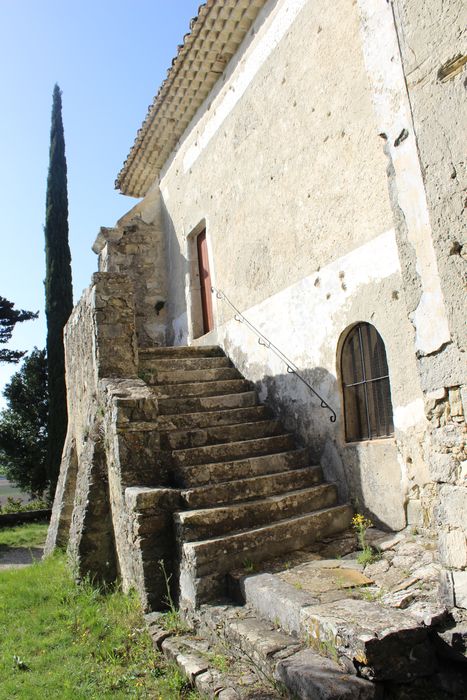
<point x="17" y="557"/>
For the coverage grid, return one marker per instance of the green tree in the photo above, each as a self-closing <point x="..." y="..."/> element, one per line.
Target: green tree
<point x="23" y="426"/>
<point x="58" y="287"/>
<point x="9" y="317"/>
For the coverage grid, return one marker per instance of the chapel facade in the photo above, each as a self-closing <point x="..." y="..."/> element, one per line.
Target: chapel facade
<point x="300" y="176"/>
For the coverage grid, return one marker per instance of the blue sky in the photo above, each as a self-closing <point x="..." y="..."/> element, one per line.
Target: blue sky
<point x="109" y="58"/>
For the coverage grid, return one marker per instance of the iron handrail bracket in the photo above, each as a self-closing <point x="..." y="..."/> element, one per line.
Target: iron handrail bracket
<point x="262" y="340"/>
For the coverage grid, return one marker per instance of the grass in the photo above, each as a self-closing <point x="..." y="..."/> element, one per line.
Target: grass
<point x="29" y="535"/>
<point x="69" y="641"/>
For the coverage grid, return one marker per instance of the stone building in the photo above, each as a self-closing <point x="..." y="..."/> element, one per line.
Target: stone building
<point x="303" y="160"/>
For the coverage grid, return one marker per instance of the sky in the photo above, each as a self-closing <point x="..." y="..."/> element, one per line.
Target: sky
<point x="109" y="58"/>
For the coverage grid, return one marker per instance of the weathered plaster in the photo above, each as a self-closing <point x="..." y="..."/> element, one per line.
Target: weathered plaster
<point x="305" y="321"/>
<point x="394" y="120"/>
<point x="325" y="171"/>
<point x="278" y="22"/>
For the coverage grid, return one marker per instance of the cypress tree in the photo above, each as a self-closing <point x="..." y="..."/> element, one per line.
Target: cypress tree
<point x="58" y="287"/>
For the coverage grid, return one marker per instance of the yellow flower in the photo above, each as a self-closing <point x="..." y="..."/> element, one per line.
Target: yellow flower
<point x="360" y="522"/>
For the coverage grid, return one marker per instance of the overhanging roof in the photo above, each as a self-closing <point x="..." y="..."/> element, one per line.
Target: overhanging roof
<point x="214" y="37"/>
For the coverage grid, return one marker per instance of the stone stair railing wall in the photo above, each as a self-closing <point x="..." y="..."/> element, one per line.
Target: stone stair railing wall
<point x="96" y="514"/>
<point x="184" y="467"/>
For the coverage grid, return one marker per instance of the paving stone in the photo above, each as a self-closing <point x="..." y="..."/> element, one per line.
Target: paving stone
<point x="390" y="542"/>
<point x="384" y="643"/>
<point x="192" y="664"/>
<point x="276" y="600"/>
<point x="158" y="635"/>
<point x="309" y="676"/>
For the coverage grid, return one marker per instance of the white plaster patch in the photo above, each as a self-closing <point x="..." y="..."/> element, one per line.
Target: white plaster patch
<point x="305" y="316"/>
<point x="243" y="76"/>
<point x="383" y="63"/>
<point x="411" y="414"/>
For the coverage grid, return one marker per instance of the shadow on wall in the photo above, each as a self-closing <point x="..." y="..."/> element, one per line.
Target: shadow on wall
<point x="367" y="474"/>
<point x="178" y="269"/>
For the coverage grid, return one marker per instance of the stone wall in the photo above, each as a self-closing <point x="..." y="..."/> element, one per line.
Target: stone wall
<point x="111" y="509"/>
<point x="136" y="249"/>
<point x="99" y="342"/>
<point x="430" y="43"/>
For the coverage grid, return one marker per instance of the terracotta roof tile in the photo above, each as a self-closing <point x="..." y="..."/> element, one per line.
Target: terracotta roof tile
<point x="215" y="34"/>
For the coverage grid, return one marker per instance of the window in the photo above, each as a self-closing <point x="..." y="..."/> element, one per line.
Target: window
<point x="365" y="384"/>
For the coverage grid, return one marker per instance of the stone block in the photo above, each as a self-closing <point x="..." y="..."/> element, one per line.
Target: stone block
<point x="415" y="512"/>
<point x="383" y="643"/>
<point x="307" y="676"/>
<point x="455" y="402"/>
<point x="459" y="579"/>
<point x="463" y="393"/>
<point x="276" y="600"/>
<point x="442" y="467"/>
<point x="453" y="549"/>
<point x="191" y="663"/>
<point x="452" y="507"/>
<point x="452" y="643"/>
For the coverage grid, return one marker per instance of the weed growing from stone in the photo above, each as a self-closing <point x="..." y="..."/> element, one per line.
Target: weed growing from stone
<point x="220" y="661"/>
<point x="361" y="525"/>
<point x="171" y="620"/>
<point x="248" y="565"/>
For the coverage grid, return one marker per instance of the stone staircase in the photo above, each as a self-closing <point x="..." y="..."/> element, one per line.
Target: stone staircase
<point x="248" y="491"/>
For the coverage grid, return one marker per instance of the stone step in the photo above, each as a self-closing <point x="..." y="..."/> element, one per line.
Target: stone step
<point x="203" y="564"/>
<point x="380" y="642"/>
<point x="217" y="473"/>
<point x="301" y="672"/>
<point x="248" y="489"/>
<point x="233" y="450"/>
<point x="183" y="439"/>
<point x="214" y="388"/>
<point x="221" y="402"/>
<point x="183" y="363"/>
<point x="195" y="525"/>
<point x="182" y="376"/>
<point x="183" y="351"/>
<point x="208" y="419"/>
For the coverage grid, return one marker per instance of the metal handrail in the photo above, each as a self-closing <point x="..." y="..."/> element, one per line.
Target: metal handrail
<point x="262" y="340"/>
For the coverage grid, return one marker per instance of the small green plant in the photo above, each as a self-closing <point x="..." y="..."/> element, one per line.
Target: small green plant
<point x="325" y="647"/>
<point x="220" y="662"/>
<point x="248" y="565"/>
<point x="298" y="585"/>
<point x="369" y="595"/>
<point x="145" y="375"/>
<point x="171" y="620"/>
<point x="361" y="525"/>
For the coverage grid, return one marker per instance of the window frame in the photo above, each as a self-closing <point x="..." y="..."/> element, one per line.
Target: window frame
<point x="384" y="379"/>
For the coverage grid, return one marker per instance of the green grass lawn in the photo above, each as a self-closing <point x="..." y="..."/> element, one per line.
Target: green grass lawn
<point x="28" y="535"/>
<point x="61" y="640"/>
